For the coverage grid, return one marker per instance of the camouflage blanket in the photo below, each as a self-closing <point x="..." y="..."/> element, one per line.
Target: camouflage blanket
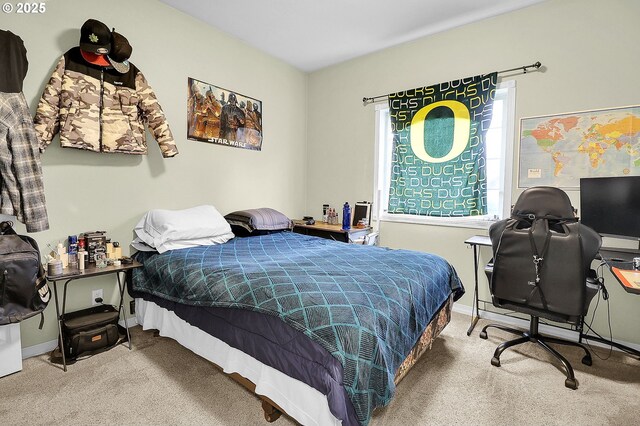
<point x="366" y="305"/>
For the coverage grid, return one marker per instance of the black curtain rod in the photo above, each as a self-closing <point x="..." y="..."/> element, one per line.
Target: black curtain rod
<point x="523" y="68"/>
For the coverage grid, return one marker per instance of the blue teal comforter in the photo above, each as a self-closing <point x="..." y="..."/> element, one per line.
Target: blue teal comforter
<point x="366" y="305"/>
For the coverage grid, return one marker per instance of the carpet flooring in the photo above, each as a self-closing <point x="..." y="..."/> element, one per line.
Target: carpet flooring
<point x="159" y="382"/>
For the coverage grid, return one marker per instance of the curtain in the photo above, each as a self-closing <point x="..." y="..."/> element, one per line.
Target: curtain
<point x="438" y="162"/>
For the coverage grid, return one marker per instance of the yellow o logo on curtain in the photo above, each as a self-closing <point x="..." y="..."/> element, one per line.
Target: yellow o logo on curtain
<point x="461" y="128"/>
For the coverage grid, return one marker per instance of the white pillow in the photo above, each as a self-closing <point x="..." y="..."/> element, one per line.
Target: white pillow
<point x="140" y="245"/>
<point x="171" y="229"/>
<point x="179" y="244"/>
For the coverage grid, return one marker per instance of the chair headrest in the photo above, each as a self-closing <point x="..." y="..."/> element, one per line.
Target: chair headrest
<point x="544" y="201"/>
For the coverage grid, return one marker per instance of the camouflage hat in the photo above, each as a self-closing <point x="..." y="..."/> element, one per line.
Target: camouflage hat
<point x="120" y="52"/>
<point x="95" y="37"/>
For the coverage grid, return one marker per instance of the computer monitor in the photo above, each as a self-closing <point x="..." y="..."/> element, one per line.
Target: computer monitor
<point x="611" y="206"/>
<point x="362" y="211"/>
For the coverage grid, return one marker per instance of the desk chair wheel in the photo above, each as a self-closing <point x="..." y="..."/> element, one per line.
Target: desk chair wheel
<point x="571" y="383"/>
<point x="483" y="335"/>
<point x="495" y="361"/>
<point x="586" y="360"/>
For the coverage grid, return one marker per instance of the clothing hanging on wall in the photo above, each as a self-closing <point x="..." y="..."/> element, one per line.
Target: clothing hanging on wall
<point x="99" y="109"/>
<point x="14" y="62"/>
<point x="21" y="187"/>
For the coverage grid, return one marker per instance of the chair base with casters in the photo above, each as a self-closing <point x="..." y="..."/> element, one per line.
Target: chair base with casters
<point x="534" y="336"/>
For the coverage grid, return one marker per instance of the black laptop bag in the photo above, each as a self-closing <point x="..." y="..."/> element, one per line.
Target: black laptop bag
<point x="90" y="330"/>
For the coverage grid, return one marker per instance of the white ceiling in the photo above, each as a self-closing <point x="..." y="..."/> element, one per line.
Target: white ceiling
<point x="312" y="34"/>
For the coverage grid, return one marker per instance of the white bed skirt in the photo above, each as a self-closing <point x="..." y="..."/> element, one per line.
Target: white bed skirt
<point x="299" y="400"/>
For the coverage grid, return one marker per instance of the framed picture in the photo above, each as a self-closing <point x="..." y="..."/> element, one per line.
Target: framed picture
<point x="558" y="150"/>
<point x="223" y="117"/>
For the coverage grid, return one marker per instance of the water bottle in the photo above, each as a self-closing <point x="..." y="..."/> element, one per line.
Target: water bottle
<point x="346" y="217"/>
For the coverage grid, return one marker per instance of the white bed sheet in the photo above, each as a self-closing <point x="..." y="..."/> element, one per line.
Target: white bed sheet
<point x="299" y="400"/>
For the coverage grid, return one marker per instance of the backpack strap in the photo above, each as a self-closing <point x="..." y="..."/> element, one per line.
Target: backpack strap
<point x="538" y="260"/>
<point x="44" y="292"/>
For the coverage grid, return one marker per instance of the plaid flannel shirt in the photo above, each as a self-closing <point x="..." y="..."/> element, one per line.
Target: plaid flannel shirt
<point x="21" y="187"/>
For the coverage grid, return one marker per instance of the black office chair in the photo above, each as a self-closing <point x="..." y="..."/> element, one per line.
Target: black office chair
<point x="541" y="266"/>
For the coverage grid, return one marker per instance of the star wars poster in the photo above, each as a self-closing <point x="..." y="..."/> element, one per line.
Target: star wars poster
<point x="223" y="117"/>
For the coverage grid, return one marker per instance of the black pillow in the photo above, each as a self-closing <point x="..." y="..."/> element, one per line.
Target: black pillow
<point x="251" y="222"/>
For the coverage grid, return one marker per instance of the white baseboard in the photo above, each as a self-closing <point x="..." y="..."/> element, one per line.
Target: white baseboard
<point x="549" y="330"/>
<point x="40" y="349"/>
<point x="45" y="347"/>
<point x="131" y="322"/>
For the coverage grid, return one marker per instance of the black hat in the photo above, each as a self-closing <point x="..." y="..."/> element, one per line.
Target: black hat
<point x="120" y="52"/>
<point x="95" y="37"/>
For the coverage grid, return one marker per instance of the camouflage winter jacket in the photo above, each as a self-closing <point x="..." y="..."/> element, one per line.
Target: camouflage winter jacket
<point x="98" y="109"/>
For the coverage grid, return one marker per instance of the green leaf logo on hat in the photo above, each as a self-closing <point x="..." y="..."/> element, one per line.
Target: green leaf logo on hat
<point x="93" y="38"/>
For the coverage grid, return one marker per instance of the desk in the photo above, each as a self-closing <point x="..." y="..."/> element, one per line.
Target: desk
<point x="475" y="241"/>
<point x="615" y="258"/>
<point x="332" y="232"/>
<point x="70" y="275"/>
<point x="612" y="257"/>
<point x="620" y="259"/>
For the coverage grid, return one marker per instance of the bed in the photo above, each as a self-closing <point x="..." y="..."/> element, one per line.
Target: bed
<point x="318" y="329"/>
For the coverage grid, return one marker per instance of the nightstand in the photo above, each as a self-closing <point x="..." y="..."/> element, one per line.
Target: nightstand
<point x="332" y="232"/>
<point x="71" y="275"/>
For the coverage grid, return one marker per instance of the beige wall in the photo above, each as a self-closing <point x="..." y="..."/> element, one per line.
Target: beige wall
<point x="588" y="49"/>
<point x="89" y="191"/>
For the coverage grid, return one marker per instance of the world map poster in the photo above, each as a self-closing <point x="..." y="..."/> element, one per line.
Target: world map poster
<point x="558" y="150"/>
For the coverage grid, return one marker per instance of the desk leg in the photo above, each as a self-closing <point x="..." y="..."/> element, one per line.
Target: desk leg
<point x="476" y="304"/>
<point x="61" y="343"/>
<point x="124" y="311"/>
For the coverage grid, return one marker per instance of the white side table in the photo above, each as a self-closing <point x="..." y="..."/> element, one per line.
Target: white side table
<point x="10" y="349"/>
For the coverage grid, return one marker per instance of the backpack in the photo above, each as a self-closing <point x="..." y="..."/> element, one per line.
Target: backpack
<point x="23" y="286"/>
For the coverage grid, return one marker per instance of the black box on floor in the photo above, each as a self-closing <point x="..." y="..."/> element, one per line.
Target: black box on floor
<point x="90" y="330"/>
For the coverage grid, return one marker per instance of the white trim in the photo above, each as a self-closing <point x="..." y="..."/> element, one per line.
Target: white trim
<point x="377" y="196"/>
<point x="131" y="322"/>
<point x="548" y="330"/>
<point x="439" y="221"/>
<point x="510" y="136"/>
<point x="42" y="348"/>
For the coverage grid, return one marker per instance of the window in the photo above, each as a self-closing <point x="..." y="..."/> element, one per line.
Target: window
<point x="499" y="156"/>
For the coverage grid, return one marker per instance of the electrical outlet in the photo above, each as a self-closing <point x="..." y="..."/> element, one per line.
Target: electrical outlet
<point x="96" y="294"/>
